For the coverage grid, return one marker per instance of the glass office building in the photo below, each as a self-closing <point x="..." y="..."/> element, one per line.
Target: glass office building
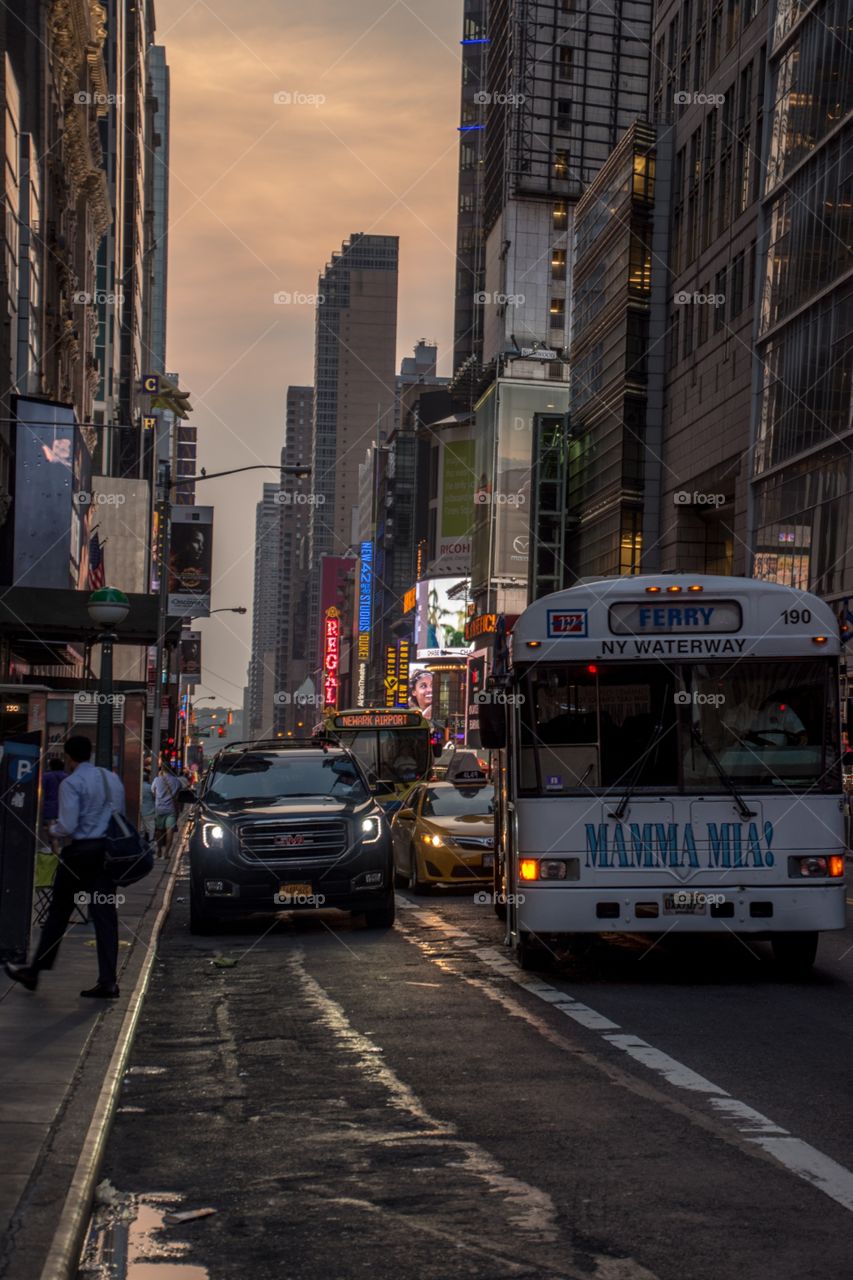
<point x="802" y="462"/>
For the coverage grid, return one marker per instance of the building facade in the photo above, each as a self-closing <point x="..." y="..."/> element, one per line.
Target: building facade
<point x="266" y="614"/>
<point x="354" y="388"/>
<point x="802" y="472"/>
<point x="292" y="664"/>
<point x="708" y="83"/>
<point x="619" y="313"/>
<point x="468" y="283"/>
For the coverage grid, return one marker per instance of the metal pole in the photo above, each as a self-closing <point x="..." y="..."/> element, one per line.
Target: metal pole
<point x="104" y="737"/>
<point x="163" y="530"/>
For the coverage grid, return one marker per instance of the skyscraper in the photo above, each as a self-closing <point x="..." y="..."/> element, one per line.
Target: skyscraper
<point x="354" y="385"/>
<point x="707" y="93"/>
<point x="266" y="614"/>
<point x="468" y="302"/>
<point x="802" y="472"/>
<point x="292" y="666"/>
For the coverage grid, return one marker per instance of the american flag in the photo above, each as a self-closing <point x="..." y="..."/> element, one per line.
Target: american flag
<point x="96" y="564"/>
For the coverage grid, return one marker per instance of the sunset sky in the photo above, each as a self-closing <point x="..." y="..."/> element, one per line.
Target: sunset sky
<point x="263" y="192"/>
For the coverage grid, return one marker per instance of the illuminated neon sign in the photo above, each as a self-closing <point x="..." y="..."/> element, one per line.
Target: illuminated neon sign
<point x="365" y="601"/>
<point x="331" y="657"/>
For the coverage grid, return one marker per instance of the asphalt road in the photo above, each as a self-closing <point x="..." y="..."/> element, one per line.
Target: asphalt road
<point x="408" y="1103"/>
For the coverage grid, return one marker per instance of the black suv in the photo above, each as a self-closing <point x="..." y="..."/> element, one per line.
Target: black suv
<point x="285" y="827"/>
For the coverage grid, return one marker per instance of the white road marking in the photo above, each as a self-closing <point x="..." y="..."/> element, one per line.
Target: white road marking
<point x="798" y="1157"/>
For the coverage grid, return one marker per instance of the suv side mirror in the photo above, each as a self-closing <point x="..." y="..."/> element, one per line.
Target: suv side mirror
<point x="187" y="796"/>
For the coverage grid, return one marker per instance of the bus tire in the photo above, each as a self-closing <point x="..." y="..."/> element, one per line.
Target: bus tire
<point x="794" y="953"/>
<point x="529" y="954"/>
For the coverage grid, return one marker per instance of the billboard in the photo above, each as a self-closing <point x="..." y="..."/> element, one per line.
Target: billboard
<point x="53" y="481"/>
<point x="455" y="516"/>
<point x="191" y="659"/>
<point x="190" y="562"/>
<point x="440" y="620"/>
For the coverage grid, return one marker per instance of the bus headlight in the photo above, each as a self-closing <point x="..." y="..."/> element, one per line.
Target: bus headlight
<point x="817" y="865"/>
<point x="550" y="869"/>
<point x="371" y="830"/>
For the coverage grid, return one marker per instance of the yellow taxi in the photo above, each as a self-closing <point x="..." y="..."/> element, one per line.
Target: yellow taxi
<point x="446" y="835"/>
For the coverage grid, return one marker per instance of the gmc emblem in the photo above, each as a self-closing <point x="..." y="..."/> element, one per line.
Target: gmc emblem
<point x="289" y="840"/>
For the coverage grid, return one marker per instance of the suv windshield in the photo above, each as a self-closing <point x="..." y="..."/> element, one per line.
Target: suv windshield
<point x="769" y="724"/>
<point x="261" y="775"/>
<point x="456" y="802"/>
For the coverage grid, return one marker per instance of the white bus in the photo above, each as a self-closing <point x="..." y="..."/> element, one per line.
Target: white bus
<point x="668" y="757"/>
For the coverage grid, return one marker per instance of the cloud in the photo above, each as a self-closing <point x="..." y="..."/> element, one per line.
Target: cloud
<point x="261" y="194"/>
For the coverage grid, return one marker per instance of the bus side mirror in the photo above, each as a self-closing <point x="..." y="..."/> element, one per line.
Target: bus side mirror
<point x="492" y="719"/>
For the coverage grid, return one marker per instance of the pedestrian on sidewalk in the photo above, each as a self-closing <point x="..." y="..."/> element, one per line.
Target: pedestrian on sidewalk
<point x="84" y="815"/>
<point x="147" y="807"/>
<point x="165" y="788"/>
<point x="50" y="800"/>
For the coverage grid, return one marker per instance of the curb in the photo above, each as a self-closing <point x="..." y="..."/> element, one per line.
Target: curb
<point x="63" y="1256"/>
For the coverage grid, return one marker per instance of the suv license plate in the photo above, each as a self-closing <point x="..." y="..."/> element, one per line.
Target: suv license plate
<point x="685" y="904"/>
<point x="287" y="892"/>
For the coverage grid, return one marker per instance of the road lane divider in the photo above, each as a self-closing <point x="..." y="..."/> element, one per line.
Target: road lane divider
<point x="792" y="1153"/>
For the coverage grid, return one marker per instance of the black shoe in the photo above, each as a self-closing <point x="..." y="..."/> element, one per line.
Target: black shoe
<point x="22" y="973"/>
<point x="101" y="993"/>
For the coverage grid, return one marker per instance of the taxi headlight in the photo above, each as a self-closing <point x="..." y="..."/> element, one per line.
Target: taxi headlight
<point x="436" y="841"/>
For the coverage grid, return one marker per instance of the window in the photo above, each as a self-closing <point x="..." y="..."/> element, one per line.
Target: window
<point x="719" y="308"/>
<point x="558" y="313"/>
<point x="736" y="286"/>
<point x="560" y="216"/>
<point x="564" y="63"/>
<point x="561" y="164"/>
<point x="564" y="113"/>
<point x="702" y="318"/>
<point x="687" y="343"/>
<point x="558" y="264"/>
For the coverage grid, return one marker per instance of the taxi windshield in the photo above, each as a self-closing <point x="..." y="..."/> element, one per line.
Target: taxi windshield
<point x="456" y="802"/>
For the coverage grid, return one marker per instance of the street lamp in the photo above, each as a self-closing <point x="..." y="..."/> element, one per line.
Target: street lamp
<point x="240" y="608"/>
<point x="107" y="608"/>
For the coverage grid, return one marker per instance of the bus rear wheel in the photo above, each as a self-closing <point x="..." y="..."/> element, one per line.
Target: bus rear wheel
<point x="794" y="953"/>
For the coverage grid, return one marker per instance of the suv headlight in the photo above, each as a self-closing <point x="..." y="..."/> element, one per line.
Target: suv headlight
<point x="371" y="830"/>
<point x="212" y="834"/>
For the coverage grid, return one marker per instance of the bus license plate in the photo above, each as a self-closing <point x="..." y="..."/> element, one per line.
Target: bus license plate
<point x="685" y="904"/>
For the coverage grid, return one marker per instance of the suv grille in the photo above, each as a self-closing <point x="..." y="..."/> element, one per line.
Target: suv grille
<point x="304" y="839"/>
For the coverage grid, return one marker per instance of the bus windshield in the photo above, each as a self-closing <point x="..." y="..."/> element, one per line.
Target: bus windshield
<point x="765" y="724"/>
<point x="390" y="755"/>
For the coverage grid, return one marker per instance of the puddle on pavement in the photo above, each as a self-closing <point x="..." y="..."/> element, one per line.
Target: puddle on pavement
<point x="130" y="1239"/>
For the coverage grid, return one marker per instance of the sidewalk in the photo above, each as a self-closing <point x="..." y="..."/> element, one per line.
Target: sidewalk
<point x="55" y="1050"/>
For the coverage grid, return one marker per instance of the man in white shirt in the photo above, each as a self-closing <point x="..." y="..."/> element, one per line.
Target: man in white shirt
<point x="87" y="799"/>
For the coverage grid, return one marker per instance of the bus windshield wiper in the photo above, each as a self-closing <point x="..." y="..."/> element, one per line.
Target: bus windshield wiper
<point x="633" y="782"/>
<point x="742" y="807"/>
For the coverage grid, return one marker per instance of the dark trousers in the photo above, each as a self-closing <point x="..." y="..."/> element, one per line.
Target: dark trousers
<point x="81" y="871"/>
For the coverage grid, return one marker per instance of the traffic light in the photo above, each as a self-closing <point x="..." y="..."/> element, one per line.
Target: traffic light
<point x="221" y="731"/>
